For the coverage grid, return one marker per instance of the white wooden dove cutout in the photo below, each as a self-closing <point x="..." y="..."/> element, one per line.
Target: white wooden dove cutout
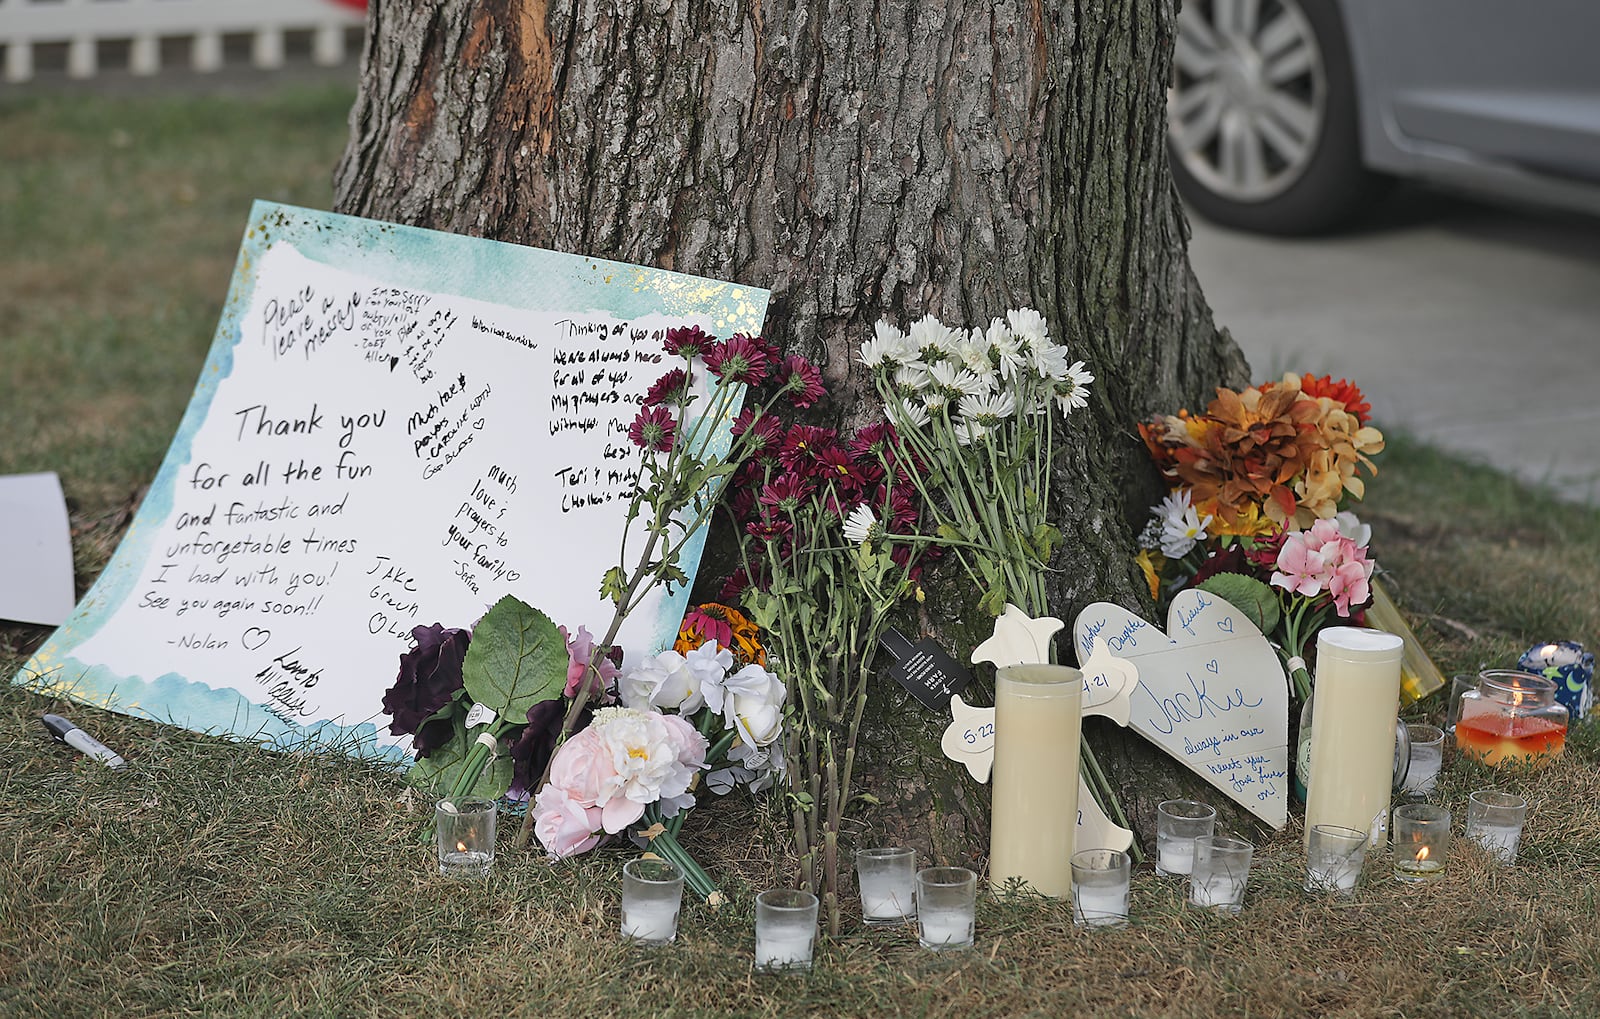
<point x="1020" y="639"/>
<point x="1211" y="693"/>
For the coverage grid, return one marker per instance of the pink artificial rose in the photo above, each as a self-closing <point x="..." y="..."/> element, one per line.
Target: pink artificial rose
<point x="564" y="826"/>
<point x="583" y="769"/>
<point x="692" y="746"/>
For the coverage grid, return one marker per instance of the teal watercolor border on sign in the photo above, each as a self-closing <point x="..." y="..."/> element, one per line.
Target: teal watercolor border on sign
<point x="510" y="275"/>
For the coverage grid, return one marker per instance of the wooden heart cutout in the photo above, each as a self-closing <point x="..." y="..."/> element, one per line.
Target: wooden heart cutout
<point x="1022" y="640"/>
<point x="1213" y="695"/>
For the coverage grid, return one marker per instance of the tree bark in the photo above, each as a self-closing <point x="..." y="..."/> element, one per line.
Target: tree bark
<point x="861" y="160"/>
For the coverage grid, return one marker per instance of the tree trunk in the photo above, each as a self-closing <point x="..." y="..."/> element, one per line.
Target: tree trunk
<point x="860" y="160"/>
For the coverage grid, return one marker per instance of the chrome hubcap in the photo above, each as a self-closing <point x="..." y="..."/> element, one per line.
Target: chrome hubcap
<point x="1248" y="96"/>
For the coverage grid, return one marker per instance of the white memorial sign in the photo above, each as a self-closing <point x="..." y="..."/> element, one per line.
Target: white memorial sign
<point x="394" y="427"/>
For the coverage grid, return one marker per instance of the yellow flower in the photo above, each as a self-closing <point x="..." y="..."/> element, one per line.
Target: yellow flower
<point x="1152" y="573"/>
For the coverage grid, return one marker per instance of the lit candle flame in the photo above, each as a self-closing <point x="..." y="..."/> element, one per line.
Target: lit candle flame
<point x="461" y="847"/>
<point x="1422" y="854"/>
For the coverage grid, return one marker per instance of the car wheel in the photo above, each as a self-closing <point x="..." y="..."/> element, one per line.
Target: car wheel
<point x="1261" y="116"/>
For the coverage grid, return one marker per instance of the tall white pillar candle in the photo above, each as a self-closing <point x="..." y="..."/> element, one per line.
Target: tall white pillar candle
<point x="1353" y="727"/>
<point x="1035" y="805"/>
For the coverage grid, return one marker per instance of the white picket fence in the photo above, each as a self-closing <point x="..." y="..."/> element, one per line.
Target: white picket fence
<point x="140" y="28"/>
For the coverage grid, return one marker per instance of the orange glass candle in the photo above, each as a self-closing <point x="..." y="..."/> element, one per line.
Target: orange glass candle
<point x="1512" y="716"/>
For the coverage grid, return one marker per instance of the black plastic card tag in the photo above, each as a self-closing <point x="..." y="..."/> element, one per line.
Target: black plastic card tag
<point x="923" y="668"/>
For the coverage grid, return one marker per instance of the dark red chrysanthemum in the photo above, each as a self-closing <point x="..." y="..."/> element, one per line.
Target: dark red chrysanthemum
<point x="765" y="434"/>
<point x="802" y="382"/>
<point x="837" y="466"/>
<point x="767" y="529"/>
<point x="803" y="444"/>
<point x="786" y="493"/>
<point x="687" y="341"/>
<point x="654" y="430"/>
<point x="737" y="360"/>
<point x="874" y="442"/>
<point x="671" y="388"/>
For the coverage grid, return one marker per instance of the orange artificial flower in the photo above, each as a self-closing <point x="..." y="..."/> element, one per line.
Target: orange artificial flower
<point x="726" y="625"/>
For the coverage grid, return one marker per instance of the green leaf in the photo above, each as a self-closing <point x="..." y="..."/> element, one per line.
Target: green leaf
<point x="1247" y="594"/>
<point x="614" y="585"/>
<point x="516" y="659"/>
<point x="440" y="770"/>
<point x="994" y="601"/>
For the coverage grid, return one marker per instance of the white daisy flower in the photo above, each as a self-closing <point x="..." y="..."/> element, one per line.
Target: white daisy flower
<point x="912" y="412"/>
<point x="957" y="380"/>
<point x="886" y="338"/>
<point x="1051" y="362"/>
<point x="859" y="524"/>
<point x="912" y="378"/>
<point x="1029" y="325"/>
<point x="929" y="335"/>
<point x="934" y="401"/>
<point x="973" y="352"/>
<point x="988" y="409"/>
<point x="1072" y="392"/>
<point x="1007" y="349"/>
<point x="1181" y="526"/>
<point x="969" y="431"/>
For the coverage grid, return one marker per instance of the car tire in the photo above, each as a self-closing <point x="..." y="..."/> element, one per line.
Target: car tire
<point x="1262" y="128"/>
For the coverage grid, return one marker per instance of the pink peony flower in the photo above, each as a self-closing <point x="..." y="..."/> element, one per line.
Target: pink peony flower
<point x="584" y="770"/>
<point x="563" y="826"/>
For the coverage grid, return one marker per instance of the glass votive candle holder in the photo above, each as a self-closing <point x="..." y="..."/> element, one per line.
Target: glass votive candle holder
<point x="1494" y="821"/>
<point x="1427" y="757"/>
<point x="464" y="836"/>
<point x="652" y="891"/>
<point x="786" y="929"/>
<point x="1100" y="887"/>
<point x="887" y="879"/>
<point x="1334" y="855"/>
<point x="1459" y="685"/>
<point x="1220" y="873"/>
<point x="947" y="903"/>
<point x="1421" y="842"/>
<point x="1178" y="824"/>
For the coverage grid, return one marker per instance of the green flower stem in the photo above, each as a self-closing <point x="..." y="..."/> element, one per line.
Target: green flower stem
<point x="477" y="761"/>
<point x="667" y="846"/>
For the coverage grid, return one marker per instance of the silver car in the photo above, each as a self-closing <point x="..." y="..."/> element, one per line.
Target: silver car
<point x="1288" y="116"/>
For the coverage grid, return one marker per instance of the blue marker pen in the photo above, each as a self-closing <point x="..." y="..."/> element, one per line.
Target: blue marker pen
<point x="75" y="737"/>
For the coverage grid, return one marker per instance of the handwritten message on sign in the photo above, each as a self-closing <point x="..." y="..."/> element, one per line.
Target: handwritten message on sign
<point x="1211" y="693"/>
<point x="394" y="427"/>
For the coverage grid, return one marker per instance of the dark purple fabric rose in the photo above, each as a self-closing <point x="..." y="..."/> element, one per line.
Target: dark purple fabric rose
<point x="531" y="752"/>
<point x="430" y="674"/>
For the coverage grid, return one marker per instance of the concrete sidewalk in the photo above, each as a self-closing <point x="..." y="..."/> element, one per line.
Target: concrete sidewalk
<point x="1473" y="328"/>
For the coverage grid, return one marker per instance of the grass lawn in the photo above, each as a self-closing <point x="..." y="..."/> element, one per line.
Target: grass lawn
<point x="210" y="878"/>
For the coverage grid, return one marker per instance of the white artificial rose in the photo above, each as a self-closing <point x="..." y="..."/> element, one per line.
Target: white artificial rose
<point x="664" y="681"/>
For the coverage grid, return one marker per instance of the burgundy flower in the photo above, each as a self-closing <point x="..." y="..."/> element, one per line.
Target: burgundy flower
<point x="802" y="445"/>
<point x="801" y="382"/>
<point x="654" y="430"/>
<point x="430" y="675"/>
<point x="737" y="360"/>
<point x="785" y="493"/>
<point x="875" y="442"/>
<point x="765" y="431"/>
<point x="533" y="749"/>
<point x="671" y="388"/>
<point x="687" y="341"/>
<point x="767" y="529"/>
<point x="837" y="466"/>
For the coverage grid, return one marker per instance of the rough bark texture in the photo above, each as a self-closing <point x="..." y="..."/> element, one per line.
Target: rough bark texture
<point x="860" y="160"/>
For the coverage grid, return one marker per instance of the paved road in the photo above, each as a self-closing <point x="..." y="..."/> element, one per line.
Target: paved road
<point x="1473" y="327"/>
